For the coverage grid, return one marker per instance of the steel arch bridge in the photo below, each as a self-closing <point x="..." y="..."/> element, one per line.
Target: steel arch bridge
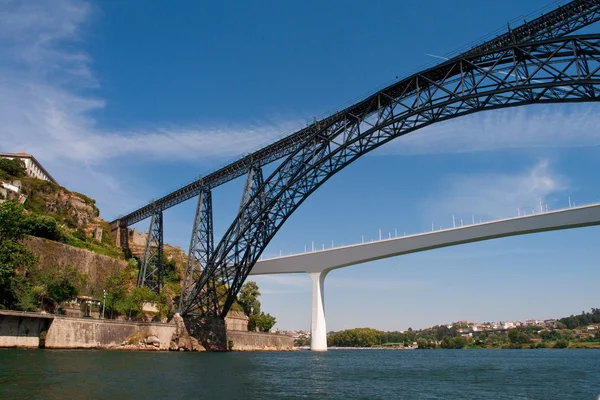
<point x="533" y="64"/>
<point x="551" y="71"/>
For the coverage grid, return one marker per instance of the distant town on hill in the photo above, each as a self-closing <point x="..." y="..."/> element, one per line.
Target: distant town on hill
<point x="576" y="331"/>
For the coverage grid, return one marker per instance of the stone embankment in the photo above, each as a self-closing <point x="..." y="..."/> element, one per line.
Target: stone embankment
<point x="256" y="341"/>
<point x="57" y="332"/>
<point x="82" y="333"/>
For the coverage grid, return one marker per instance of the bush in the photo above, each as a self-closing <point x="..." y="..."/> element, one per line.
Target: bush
<point x="170" y="268"/>
<point x="11" y="221"/>
<point x="80" y="234"/>
<point x="12" y="168"/>
<point x="43" y="226"/>
<point x="518" y="337"/>
<point x="458" y="342"/>
<point x="62" y="291"/>
<point x="561" y="344"/>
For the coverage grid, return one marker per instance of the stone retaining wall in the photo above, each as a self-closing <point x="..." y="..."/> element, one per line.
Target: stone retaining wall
<point x="97" y="267"/>
<point x="76" y="333"/>
<point x="21" y="331"/>
<point x="255" y="341"/>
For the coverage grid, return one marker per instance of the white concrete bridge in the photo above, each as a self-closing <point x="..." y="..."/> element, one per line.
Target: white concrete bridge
<point x="318" y="263"/>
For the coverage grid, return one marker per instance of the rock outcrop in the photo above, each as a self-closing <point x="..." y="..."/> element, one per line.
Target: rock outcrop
<point x="182" y="340"/>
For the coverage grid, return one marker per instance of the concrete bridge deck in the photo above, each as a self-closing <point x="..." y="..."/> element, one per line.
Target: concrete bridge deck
<point x="318" y="263"/>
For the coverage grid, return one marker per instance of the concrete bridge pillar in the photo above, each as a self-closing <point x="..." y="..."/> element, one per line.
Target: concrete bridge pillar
<point x="318" y="328"/>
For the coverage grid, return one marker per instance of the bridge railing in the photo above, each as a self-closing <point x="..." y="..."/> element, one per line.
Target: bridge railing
<point x="521" y="213"/>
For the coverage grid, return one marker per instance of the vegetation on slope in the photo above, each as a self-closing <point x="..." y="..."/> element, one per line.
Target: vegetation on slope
<point x="15" y="258"/>
<point x="55" y="213"/>
<point x="560" y="336"/>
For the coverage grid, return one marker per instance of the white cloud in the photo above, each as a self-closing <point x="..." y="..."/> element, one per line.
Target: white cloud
<point x="46" y="108"/>
<point x="494" y="195"/>
<point x="32" y="33"/>
<point x="44" y="111"/>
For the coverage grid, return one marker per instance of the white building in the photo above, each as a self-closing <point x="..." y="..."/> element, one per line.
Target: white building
<point x="32" y="166"/>
<point x="508" y="325"/>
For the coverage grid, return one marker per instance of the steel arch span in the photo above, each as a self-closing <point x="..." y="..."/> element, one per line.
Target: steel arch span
<point x="552" y="71"/>
<point x="562" y="21"/>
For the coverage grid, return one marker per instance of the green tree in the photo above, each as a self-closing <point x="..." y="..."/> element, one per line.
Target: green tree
<point x="264" y="322"/>
<point x="11" y="222"/>
<point x="425" y="344"/>
<point x="561" y="344"/>
<point x="115" y="286"/>
<point x="457" y="342"/>
<point x="42" y="226"/>
<point x="62" y="291"/>
<point x="15" y="259"/>
<point x="12" y="168"/>
<point x="170" y="268"/>
<point x="141" y="295"/>
<point x="51" y="286"/>
<point x="495" y="340"/>
<point x="518" y="338"/>
<point x="248" y="298"/>
<point x="359" y="337"/>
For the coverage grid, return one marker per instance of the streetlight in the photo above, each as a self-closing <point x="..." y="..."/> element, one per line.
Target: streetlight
<point x="104" y="303"/>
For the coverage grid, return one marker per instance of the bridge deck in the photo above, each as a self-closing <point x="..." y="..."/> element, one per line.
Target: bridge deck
<point x="344" y="256"/>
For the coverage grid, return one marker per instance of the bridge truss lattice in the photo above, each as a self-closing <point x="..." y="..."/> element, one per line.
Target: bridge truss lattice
<point x="551" y="71"/>
<point x="532" y="64"/>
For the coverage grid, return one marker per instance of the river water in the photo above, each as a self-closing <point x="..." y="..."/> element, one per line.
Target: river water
<point x="337" y="374"/>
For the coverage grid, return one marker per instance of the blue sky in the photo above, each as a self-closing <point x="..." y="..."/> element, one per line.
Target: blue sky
<point x="125" y="101"/>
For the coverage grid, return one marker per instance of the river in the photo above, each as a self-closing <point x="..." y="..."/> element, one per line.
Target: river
<point x="337" y="374"/>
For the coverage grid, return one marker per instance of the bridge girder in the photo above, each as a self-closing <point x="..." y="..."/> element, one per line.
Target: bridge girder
<point x="201" y="249"/>
<point x="550" y="71"/>
<point x="152" y="272"/>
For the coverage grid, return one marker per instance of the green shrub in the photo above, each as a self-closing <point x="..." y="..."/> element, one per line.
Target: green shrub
<point x="43" y="226"/>
<point x="170" y="268"/>
<point x="62" y="290"/>
<point x="561" y="344"/>
<point x="13" y="168"/>
<point x="80" y="234"/>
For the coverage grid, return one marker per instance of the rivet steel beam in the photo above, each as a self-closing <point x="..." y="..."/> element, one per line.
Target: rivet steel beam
<point x="151" y="272"/>
<point x="201" y="245"/>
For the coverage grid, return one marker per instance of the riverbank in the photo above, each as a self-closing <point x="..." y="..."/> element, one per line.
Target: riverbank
<point x="33" y="330"/>
<point x="580" y="346"/>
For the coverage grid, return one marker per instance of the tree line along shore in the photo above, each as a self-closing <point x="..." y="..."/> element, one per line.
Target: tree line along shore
<point x="575" y="331"/>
